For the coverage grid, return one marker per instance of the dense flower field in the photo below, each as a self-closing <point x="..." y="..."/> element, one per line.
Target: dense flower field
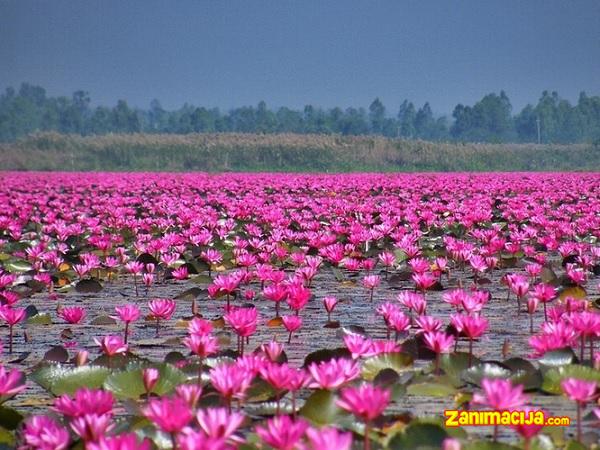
<point x="297" y="311"/>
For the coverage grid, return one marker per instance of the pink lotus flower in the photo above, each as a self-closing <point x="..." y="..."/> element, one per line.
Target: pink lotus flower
<point x="276" y="293"/>
<point x="199" y="327"/>
<point x="500" y="395"/>
<point x="328" y="437"/>
<point x="230" y="381"/>
<point x="333" y="373"/>
<point x="161" y="308"/>
<point x="11" y="383"/>
<point x="127" y="313"/>
<point x="11" y="316"/>
<point x="85" y="401"/>
<point x="329" y="303"/>
<point x="181" y="273"/>
<point x="218" y="423"/>
<point x="282" y="433"/>
<point x="424" y="281"/>
<point x="291" y="324"/>
<point x="44" y="433"/>
<point x="298" y="297"/>
<point x="112" y="345"/>
<point x="366" y="402"/>
<point x="92" y="427"/>
<point x="190" y="393"/>
<point x="170" y="414"/>
<point x="150" y="377"/>
<point x="581" y="392"/>
<point x="73" y="314"/>
<point x="127" y="441"/>
<point x="531" y="430"/>
<point x="244" y="322"/>
<point x="272" y="350"/>
<point x="371" y="282"/>
<point x="438" y="342"/>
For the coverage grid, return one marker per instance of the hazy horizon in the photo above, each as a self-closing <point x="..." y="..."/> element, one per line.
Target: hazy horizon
<point x="229" y="54"/>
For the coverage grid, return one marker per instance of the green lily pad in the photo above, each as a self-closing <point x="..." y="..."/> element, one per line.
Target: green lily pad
<point x="486" y="369"/>
<point x="557" y="358"/>
<point x="431" y="389"/>
<point x="40" y="319"/>
<point x="453" y="365"/>
<point x="395" y="361"/>
<point x="260" y="391"/>
<point x="419" y="436"/>
<point x="60" y="380"/>
<point x="129" y="383"/>
<point x="10" y="418"/>
<point x="326" y="354"/>
<point x="572" y="291"/>
<point x="488" y="445"/>
<point x="553" y="377"/>
<point x="321" y="408"/>
<point x="17" y="265"/>
<point x="88" y="286"/>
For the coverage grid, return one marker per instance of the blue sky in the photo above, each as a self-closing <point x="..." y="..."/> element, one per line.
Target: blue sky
<point x="326" y="53"/>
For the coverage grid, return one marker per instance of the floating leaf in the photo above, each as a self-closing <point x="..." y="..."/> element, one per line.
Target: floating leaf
<point x="524" y="373"/>
<point x="486" y="369"/>
<point x="321" y="408"/>
<point x="453" y="365"/>
<point x="17" y="265"/>
<point x="129" y="383"/>
<point x="57" y="354"/>
<point x="395" y="361"/>
<point x="419" y="436"/>
<point x="202" y="279"/>
<point x="557" y="358"/>
<point x="88" y="286"/>
<point x="40" y="319"/>
<point x="572" y="291"/>
<point x="554" y="376"/>
<point x="326" y="355"/>
<point x="275" y="322"/>
<point x="189" y="294"/>
<point x="10" y="418"/>
<point x="431" y="389"/>
<point x="103" y="320"/>
<point x="260" y="391"/>
<point x="147" y="258"/>
<point x="60" y="380"/>
<point x="488" y="445"/>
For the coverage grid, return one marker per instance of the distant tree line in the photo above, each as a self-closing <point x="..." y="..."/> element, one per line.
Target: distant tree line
<point x="491" y="119"/>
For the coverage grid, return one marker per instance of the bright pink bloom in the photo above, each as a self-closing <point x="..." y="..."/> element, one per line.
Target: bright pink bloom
<point x="112" y="345"/>
<point x="333" y="373"/>
<point x="85" y="401"/>
<point x="328" y="437"/>
<point x="580" y="391"/>
<point x="438" y="341"/>
<point x="171" y="415"/>
<point x="91" y="427"/>
<point x="202" y="345"/>
<point x="218" y="423"/>
<point x="230" y="381"/>
<point x="282" y="433"/>
<point x="199" y="326"/>
<point x="72" y="314"/>
<point x="11" y="383"/>
<point x="44" y="433"/>
<point x="150" y="377"/>
<point x="128" y="313"/>
<point x="501" y="395"/>
<point x="242" y="320"/>
<point x="365" y="401"/>
<point x="162" y="308"/>
<point x="127" y="441"/>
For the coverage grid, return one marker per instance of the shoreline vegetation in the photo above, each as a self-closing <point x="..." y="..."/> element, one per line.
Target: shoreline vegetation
<point x="221" y="152"/>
